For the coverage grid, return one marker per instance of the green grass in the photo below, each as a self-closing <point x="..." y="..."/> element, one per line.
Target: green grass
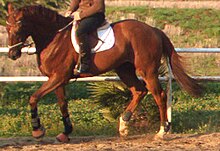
<point x="87" y="118"/>
<point x="196" y="115"/>
<point x="201" y="27"/>
<point x="189" y="115"/>
<point x="203" y="64"/>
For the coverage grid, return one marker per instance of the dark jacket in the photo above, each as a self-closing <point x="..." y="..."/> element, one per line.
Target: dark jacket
<point x="87" y="7"/>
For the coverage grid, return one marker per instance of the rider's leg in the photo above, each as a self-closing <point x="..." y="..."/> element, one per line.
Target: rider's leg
<point x="86" y="26"/>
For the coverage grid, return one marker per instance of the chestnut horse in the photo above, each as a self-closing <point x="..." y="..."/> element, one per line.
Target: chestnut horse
<point x="138" y="48"/>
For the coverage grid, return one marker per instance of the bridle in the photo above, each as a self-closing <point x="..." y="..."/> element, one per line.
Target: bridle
<point x="23" y="44"/>
<point x="18" y="22"/>
<point x="20" y="44"/>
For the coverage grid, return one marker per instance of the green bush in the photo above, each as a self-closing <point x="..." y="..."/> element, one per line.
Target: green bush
<point x="112" y="95"/>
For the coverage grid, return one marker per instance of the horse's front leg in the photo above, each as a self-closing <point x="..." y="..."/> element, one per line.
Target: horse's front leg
<point x="60" y="93"/>
<point x="50" y="85"/>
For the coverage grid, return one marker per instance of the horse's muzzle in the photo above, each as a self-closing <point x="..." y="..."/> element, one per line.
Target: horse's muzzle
<point x="14" y="55"/>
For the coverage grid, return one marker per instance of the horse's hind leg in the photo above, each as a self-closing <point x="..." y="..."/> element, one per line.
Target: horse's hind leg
<point x="160" y="97"/>
<point x="127" y="74"/>
<point x="60" y="93"/>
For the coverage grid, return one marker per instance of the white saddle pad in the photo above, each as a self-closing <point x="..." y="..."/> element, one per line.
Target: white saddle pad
<point x="105" y="34"/>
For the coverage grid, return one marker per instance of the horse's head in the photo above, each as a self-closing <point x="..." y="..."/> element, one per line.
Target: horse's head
<point x="16" y="33"/>
<point x="36" y="21"/>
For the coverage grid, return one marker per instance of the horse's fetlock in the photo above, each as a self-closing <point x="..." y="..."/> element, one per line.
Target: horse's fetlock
<point x="35" y="122"/>
<point x="167" y="126"/>
<point x="68" y="128"/>
<point x="127" y="116"/>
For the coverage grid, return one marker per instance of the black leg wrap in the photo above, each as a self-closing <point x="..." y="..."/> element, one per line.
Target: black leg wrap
<point x="34" y="113"/>
<point x="167" y="127"/>
<point x="35" y="120"/>
<point x="127" y="116"/>
<point x="68" y="128"/>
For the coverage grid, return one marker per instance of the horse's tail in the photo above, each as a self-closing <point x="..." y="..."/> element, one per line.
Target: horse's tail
<point x="189" y="84"/>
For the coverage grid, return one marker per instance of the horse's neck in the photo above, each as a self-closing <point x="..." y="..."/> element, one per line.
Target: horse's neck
<point x="43" y="27"/>
<point x="52" y="42"/>
<point x="42" y="40"/>
<point x="43" y="36"/>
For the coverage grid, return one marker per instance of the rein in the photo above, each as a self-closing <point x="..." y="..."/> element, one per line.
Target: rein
<point x="62" y="29"/>
<point x="16" y="45"/>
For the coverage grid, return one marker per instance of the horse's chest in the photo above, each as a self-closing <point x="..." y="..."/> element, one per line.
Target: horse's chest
<point x="45" y="65"/>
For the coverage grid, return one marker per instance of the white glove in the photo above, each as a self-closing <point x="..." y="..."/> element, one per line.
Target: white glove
<point x="76" y="16"/>
<point x="68" y="13"/>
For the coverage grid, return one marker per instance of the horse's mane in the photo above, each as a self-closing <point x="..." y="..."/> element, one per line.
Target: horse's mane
<point x="39" y="13"/>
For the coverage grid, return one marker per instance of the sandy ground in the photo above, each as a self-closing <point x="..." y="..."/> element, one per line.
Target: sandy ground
<point x="186" y="142"/>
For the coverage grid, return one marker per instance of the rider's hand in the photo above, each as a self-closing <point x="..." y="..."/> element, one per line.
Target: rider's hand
<point x="68" y="14"/>
<point x="76" y="16"/>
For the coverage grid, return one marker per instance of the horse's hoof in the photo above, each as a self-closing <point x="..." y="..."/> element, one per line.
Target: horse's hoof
<point x="123" y="133"/>
<point x="159" y="136"/>
<point x="63" y="138"/>
<point x="38" y="134"/>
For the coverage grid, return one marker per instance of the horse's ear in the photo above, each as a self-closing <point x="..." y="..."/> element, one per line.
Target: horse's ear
<point x="10" y="8"/>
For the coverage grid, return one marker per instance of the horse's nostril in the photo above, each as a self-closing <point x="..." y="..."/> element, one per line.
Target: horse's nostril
<point x="14" y="55"/>
<point x="14" y="58"/>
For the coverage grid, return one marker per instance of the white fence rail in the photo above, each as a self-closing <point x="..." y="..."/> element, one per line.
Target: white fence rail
<point x="179" y="50"/>
<point x="112" y="78"/>
<point x="96" y="79"/>
<point x="92" y="79"/>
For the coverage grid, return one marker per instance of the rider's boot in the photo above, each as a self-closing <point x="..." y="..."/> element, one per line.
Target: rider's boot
<point x="85" y="57"/>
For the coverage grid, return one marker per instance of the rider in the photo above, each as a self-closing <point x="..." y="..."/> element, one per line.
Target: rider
<point x="90" y="14"/>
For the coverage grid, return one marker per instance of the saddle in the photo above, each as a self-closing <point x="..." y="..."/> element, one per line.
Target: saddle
<point x="100" y="40"/>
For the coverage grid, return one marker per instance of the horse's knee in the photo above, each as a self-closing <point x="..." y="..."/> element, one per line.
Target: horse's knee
<point x="164" y="96"/>
<point x="143" y="93"/>
<point x="63" y="108"/>
<point x="62" y="104"/>
<point x="33" y="102"/>
<point x="163" y="99"/>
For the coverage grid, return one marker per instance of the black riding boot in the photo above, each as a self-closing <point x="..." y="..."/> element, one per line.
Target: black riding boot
<point x="85" y="59"/>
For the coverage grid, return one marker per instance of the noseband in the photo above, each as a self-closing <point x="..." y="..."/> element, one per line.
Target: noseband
<point x="16" y="45"/>
<point x="18" y="22"/>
